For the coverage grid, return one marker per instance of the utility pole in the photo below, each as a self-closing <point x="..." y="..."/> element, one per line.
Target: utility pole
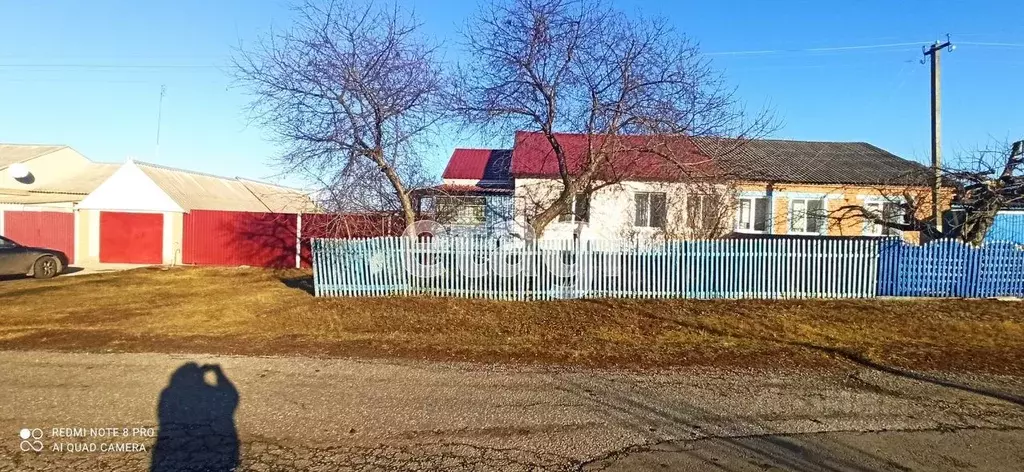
<point x="159" y="118"/>
<point x="933" y="52"/>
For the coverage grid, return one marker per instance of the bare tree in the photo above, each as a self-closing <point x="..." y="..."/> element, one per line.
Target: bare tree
<point x="987" y="181"/>
<point x="582" y="67"/>
<point x="351" y="91"/>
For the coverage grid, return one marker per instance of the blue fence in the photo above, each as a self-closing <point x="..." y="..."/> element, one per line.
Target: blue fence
<point x="1008" y="226"/>
<point x="949" y="268"/>
<point x="512" y="270"/>
<point x="752" y="268"/>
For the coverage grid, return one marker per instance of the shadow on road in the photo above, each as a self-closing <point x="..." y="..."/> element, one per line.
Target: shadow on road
<point x="197" y="422"/>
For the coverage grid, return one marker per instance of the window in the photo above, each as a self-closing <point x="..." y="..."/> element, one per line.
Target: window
<point x="650" y="210"/>
<point x="889" y="212"/>
<point x="807" y="216"/>
<point x="7" y="243"/>
<point x="578" y="210"/>
<point x="752" y="215"/>
<point x="702" y="210"/>
<point x="463" y="211"/>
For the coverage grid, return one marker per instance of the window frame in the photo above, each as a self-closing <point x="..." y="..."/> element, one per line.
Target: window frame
<point x="648" y="217"/>
<point x="807" y="215"/>
<point x="883" y="231"/>
<point x="572" y="215"/>
<point x="477" y="211"/>
<point x="752" y="229"/>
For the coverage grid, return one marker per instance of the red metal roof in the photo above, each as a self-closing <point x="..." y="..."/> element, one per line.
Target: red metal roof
<point x="478" y="164"/>
<point x="631" y="157"/>
<point x="467" y="189"/>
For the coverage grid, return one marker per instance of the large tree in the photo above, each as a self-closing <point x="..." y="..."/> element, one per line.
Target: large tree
<point x="575" y="66"/>
<point x="351" y="91"/>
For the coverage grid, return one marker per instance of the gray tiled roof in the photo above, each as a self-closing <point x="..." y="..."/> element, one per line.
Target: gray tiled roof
<point x="13" y="153"/>
<point x="199" y="191"/>
<point x="813" y="162"/>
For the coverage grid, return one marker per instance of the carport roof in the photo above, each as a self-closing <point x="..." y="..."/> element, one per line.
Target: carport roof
<point x="14" y="153"/>
<point x="72" y="189"/>
<point x="198" y="191"/>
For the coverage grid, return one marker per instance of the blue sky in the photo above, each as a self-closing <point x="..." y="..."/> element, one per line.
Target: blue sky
<point x="88" y="74"/>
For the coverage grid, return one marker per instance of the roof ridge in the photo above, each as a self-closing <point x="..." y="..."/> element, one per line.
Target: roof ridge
<point x="35" y="145"/>
<point x="57" y="147"/>
<point x="178" y="169"/>
<point x="207" y="174"/>
<point x="268" y="184"/>
<point x="778" y="140"/>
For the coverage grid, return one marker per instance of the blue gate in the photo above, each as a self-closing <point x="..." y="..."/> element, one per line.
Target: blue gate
<point x="949" y="268"/>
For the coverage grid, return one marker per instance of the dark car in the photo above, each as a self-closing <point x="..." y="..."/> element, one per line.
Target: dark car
<point x="41" y="263"/>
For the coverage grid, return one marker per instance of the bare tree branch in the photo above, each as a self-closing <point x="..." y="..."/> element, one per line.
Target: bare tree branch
<point x="633" y="86"/>
<point x="349" y="88"/>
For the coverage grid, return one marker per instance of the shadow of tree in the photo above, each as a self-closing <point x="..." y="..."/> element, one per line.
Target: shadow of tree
<point x="850" y="356"/>
<point x="304" y="283"/>
<point x="197" y="422"/>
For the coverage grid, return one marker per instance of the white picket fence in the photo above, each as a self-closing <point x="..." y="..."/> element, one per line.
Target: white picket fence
<point x="514" y="270"/>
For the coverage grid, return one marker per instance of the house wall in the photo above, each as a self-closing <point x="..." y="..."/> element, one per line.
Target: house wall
<point x="612" y="208"/>
<point x="87" y="243"/>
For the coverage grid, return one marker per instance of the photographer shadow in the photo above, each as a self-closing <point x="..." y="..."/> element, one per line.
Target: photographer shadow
<point x="197" y="422"/>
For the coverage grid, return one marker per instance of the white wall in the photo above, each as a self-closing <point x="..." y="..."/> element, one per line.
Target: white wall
<point x="611" y="209"/>
<point x="130" y="189"/>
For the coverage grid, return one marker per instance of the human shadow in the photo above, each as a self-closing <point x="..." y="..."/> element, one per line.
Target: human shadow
<point x="197" y="422"/>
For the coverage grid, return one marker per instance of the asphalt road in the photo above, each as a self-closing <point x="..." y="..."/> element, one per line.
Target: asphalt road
<point x="104" y="411"/>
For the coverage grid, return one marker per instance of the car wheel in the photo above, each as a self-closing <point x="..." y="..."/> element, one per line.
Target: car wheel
<point x="46" y="267"/>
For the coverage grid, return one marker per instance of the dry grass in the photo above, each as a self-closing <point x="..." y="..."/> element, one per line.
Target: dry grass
<point x="252" y="311"/>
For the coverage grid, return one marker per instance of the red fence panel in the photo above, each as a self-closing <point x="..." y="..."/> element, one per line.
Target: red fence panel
<point x="347" y="226"/>
<point x="48" y="229"/>
<point x="239" y="238"/>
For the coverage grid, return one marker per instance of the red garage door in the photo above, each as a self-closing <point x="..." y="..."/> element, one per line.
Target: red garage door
<point x="131" y="238"/>
<point x="48" y="229"/>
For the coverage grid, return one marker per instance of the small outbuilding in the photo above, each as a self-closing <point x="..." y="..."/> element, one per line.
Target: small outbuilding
<point x="134" y="212"/>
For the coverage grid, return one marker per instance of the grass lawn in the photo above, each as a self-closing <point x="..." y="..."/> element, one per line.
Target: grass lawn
<point x="254" y="311"/>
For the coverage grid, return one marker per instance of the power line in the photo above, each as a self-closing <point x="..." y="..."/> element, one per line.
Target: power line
<point x="113" y="66"/>
<point x="1000" y="45"/>
<point x="757" y="52"/>
<point x="822" y="49"/>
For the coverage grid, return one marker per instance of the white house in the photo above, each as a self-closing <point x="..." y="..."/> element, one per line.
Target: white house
<point x="757" y="187"/>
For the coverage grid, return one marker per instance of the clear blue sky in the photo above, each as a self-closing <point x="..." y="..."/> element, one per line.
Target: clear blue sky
<point x="88" y="74"/>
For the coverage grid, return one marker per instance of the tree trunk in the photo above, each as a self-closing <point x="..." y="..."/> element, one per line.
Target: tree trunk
<point x="396" y="182"/>
<point x="543" y="219"/>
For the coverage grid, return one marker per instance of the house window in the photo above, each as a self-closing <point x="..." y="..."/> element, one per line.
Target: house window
<point x="752" y="215"/>
<point x="702" y="210"/>
<point x="461" y="211"/>
<point x="807" y="215"/>
<point x="650" y="210"/>
<point x="889" y="211"/>
<point x="578" y="210"/>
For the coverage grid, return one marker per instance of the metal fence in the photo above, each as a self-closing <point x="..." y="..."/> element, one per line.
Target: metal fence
<point x="949" y="268"/>
<point x="513" y="270"/>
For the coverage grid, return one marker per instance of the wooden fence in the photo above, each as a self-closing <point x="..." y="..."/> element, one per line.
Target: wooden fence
<point x="949" y="268"/>
<point x="512" y="270"/>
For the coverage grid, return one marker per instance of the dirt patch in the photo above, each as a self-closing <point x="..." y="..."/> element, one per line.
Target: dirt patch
<point x="253" y="311"/>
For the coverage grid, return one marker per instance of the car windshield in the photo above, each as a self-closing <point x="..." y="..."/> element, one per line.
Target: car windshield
<point x="4" y="242"/>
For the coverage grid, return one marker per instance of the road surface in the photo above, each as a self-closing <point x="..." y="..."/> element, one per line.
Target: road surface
<point x="95" y="412"/>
